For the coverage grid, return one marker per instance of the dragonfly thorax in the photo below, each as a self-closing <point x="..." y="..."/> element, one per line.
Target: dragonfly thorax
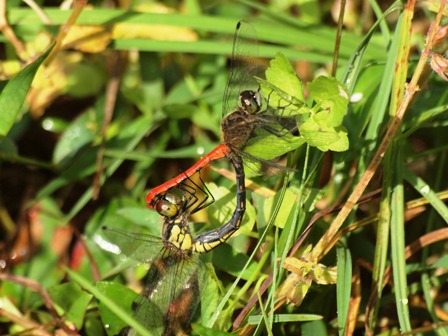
<point x="176" y="234"/>
<point x="238" y="128"/>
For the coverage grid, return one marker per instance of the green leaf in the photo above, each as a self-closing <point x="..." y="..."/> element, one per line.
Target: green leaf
<point x="204" y="331"/>
<point x="289" y="200"/>
<point x="93" y="325"/>
<point x="344" y="285"/>
<point x="142" y="217"/>
<point x="318" y="133"/>
<point x="123" y="297"/>
<point x="14" y="93"/>
<point x="111" y="304"/>
<point x="72" y="300"/>
<point x="209" y="291"/>
<point x="231" y="261"/>
<point x="80" y="132"/>
<point x="82" y="74"/>
<point x="281" y="74"/>
<point x="7" y="146"/>
<point x="282" y="89"/>
<point x="331" y="98"/>
<point x="314" y="328"/>
<point x="257" y="146"/>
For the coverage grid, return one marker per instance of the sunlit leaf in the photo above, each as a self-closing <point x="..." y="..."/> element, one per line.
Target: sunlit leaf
<point x="281" y="74"/>
<point x="156" y="31"/>
<point x="14" y="93"/>
<point x="331" y="99"/>
<point x="91" y="39"/>
<point x="290" y="198"/>
<point x="268" y="146"/>
<point x="318" y="133"/>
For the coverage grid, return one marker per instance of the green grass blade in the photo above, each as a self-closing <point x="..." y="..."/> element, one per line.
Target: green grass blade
<point x="121" y="313"/>
<point x="425" y="190"/>
<point x="344" y="286"/>
<point x="398" y="243"/>
<point x="14" y="93"/>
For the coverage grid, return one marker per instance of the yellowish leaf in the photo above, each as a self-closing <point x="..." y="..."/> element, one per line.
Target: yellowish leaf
<point x="90" y="39"/>
<point x="154" y="31"/>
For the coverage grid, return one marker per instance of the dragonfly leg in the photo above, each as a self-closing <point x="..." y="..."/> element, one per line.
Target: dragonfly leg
<point x="196" y="203"/>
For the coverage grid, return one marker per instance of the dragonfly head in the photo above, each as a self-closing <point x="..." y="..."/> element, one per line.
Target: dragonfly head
<point x="250" y="101"/>
<point x="168" y="205"/>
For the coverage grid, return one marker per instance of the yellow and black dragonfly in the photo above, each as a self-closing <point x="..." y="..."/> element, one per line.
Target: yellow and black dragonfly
<point x="171" y="296"/>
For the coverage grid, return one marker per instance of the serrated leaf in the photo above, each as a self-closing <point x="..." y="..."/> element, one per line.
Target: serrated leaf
<point x="331" y="99"/>
<point x="343" y="143"/>
<point x="14" y="93"/>
<point x="282" y="89"/>
<point x="277" y="99"/>
<point x="335" y="110"/>
<point x="281" y="74"/>
<point x="322" y="88"/>
<point x="318" y="133"/>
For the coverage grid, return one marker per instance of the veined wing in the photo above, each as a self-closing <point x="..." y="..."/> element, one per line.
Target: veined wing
<point x="171" y="296"/>
<point x="243" y="67"/>
<point x="172" y="291"/>
<point x="137" y="246"/>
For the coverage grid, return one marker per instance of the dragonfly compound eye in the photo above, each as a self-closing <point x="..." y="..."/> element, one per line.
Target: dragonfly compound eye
<point x="250" y="101"/>
<point x="168" y="206"/>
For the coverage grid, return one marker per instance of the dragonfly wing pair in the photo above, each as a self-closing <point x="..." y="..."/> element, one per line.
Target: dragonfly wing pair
<point x="172" y="292"/>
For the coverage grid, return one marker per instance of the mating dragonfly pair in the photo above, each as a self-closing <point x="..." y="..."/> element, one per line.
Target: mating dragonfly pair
<point x="168" y="303"/>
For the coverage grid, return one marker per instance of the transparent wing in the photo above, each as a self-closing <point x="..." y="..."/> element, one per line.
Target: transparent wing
<point x="243" y="66"/>
<point x="138" y="246"/>
<point x="171" y="295"/>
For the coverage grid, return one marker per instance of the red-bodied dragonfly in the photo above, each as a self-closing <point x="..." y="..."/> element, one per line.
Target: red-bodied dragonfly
<point x="242" y="111"/>
<point x="172" y="292"/>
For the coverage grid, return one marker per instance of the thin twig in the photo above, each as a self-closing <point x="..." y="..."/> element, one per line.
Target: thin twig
<point x="337" y="43"/>
<point x="40" y="13"/>
<point x="109" y="106"/>
<point x="37" y="287"/>
<point x="31" y="327"/>
<point x="63" y="31"/>
<point x="6" y="29"/>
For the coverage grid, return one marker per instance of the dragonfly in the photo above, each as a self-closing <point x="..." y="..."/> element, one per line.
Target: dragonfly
<point x="242" y="112"/>
<point x="171" y="295"/>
